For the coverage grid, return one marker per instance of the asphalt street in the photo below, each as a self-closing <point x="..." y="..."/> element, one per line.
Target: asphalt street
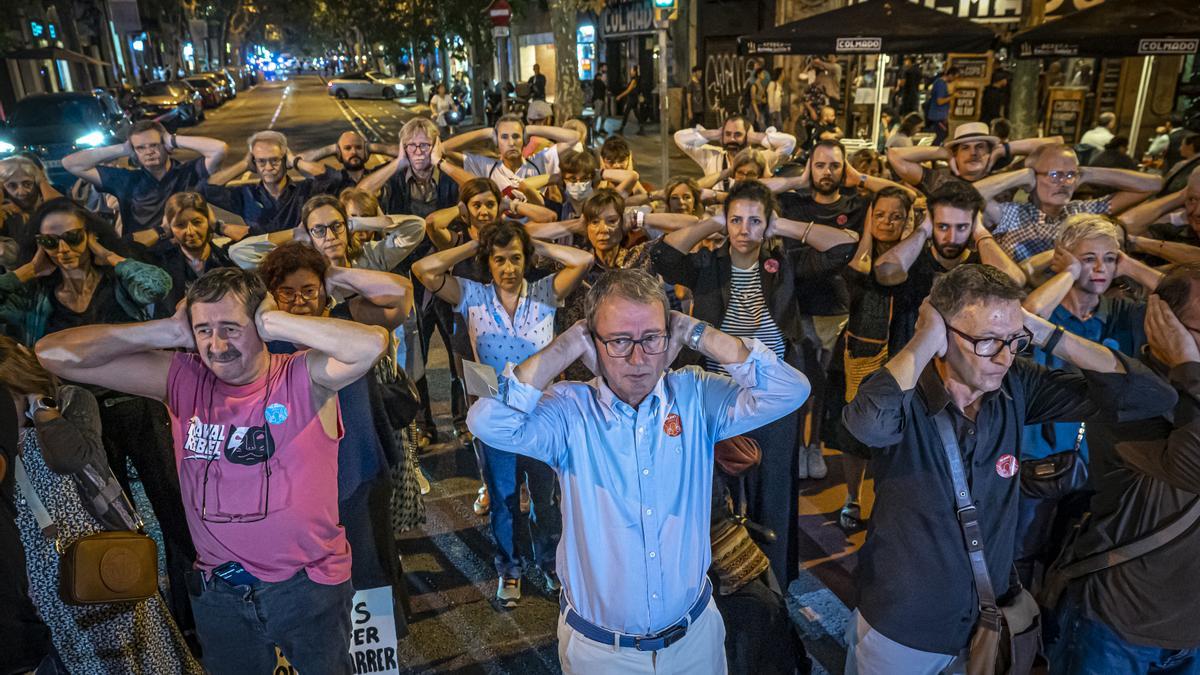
<point x="455" y="625"/>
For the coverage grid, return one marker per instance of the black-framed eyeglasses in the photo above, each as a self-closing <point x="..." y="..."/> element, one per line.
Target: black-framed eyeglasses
<point x="622" y="347"/>
<point x="992" y="346"/>
<point x="288" y="296"/>
<point x="320" y="230"/>
<point x="50" y="241"/>
<point x="419" y="147"/>
<point x="1060" y="176"/>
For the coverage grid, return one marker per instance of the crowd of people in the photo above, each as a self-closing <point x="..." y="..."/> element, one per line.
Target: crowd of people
<point x="1008" y="343"/>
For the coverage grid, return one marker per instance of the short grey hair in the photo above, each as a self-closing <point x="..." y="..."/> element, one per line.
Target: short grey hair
<point x="632" y="284"/>
<point x="17" y="167"/>
<point x="416" y="124"/>
<point x="971" y="283"/>
<point x="1084" y="226"/>
<point x="267" y="136"/>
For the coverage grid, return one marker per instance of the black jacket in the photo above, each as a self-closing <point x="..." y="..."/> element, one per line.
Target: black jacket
<point x="708" y="275"/>
<point x="399" y="199"/>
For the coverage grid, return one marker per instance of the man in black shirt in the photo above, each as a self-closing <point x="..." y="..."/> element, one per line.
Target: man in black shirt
<point x="537" y="84"/>
<point x="910" y="87"/>
<point x="273" y="203"/>
<point x="962" y="363"/>
<point x="143" y="190"/>
<point x="1141" y="616"/>
<point x="352" y="152"/>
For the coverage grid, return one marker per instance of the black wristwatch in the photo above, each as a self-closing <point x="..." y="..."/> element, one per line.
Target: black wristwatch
<point x="1052" y="341"/>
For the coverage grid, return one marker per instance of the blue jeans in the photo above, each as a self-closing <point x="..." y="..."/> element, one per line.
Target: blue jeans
<point x="1088" y="647"/>
<point x="239" y="628"/>
<point x="502" y="472"/>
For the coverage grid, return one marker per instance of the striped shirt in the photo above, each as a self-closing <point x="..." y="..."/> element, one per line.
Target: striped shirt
<point x="747" y="315"/>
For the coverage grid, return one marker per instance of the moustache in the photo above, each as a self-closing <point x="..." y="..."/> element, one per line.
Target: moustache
<point x="228" y="356"/>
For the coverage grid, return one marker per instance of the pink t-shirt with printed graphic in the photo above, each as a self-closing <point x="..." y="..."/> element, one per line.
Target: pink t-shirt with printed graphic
<point x="223" y="433"/>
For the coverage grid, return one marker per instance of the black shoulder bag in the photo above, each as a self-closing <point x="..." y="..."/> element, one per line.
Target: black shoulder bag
<point x="1007" y="640"/>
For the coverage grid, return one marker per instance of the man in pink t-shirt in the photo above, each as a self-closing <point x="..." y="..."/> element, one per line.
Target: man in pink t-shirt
<point x="256" y="440"/>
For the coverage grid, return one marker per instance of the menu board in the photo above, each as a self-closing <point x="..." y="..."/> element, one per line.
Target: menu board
<point x="1064" y="113"/>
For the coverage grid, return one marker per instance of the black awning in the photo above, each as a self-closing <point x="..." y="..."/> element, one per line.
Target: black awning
<point x="873" y="27"/>
<point x="1116" y="28"/>
<point x="54" y="54"/>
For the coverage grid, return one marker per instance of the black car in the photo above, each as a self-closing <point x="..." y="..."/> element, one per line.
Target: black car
<point x="208" y="90"/>
<point x="175" y="103"/>
<point x="52" y="126"/>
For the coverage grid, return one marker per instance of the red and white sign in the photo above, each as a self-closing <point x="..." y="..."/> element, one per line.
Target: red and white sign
<point x="500" y="12"/>
<point x="1007" y="466"/>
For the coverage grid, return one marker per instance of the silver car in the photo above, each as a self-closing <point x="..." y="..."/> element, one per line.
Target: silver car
<point x="367" y="84"/>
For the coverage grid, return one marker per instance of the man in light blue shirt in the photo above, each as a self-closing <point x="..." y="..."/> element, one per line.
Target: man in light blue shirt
<point x="633" y="449"/>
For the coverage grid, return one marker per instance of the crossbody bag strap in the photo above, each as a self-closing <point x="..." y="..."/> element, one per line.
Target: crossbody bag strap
<point x="968" y="519"/>
<point x="1136" y="548"/>
<point x="40" y="514"/>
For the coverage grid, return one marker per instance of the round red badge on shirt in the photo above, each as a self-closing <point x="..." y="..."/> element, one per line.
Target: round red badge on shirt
<point x="841" y="219"/>
<point x="673" y="426"/>
<point x="1007" y="466"/>
<point x="771" y="265"/>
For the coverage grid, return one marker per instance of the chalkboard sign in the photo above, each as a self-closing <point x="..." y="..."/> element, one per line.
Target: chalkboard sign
<point x="971" y="66"/>
<point x="966" y="103"/>
<point x="1064" y="113"/>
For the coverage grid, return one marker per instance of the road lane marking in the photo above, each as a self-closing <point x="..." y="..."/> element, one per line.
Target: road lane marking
<point x="279" y="108"/>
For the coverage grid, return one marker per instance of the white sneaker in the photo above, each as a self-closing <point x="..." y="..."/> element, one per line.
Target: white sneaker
<point x="483" y="503"/>
<point x="508" y="592"/>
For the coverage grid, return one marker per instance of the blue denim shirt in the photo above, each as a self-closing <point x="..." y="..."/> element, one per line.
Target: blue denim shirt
<point x="637" y="482"/>
<point x="1118" y="324"/>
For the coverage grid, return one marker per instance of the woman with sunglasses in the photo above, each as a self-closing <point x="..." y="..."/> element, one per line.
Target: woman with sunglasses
<point x="60" y="439"/>
<point x="74" y="275"/>
<point x="509" y="319"/>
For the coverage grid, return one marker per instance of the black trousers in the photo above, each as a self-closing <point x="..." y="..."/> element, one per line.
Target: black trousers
<point x="439" y="316"/>
<point x="759" y="636"/>
<point x="138" y="430"/>
<point x="772" y="493"/>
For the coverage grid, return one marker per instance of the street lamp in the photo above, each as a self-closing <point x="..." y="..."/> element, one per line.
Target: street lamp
<point x="664" y="11"/>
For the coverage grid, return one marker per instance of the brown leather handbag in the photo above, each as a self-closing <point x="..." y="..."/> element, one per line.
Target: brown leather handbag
<point x="104" y="567"/>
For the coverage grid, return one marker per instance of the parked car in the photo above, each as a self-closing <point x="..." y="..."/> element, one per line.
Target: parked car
<point x="208" y="90"/>
<point x="231" y="86"/>
<point x="174" y="103"/>
<point x="52" y="126"/>
<point x="220" y="83"/>
<point x="371" y="84"/>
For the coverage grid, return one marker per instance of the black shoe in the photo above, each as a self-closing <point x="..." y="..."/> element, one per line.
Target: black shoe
<point x="550" y="579"/>
<point x="463" y="433"/>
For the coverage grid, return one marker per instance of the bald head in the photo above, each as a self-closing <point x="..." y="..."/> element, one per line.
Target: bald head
<point x="352" y="150"/>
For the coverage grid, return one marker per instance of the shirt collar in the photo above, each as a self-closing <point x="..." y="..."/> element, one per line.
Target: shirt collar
<point x="1102" y="314"/>
<point x="610" y="404"/>
<point x="933" y="390"/>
